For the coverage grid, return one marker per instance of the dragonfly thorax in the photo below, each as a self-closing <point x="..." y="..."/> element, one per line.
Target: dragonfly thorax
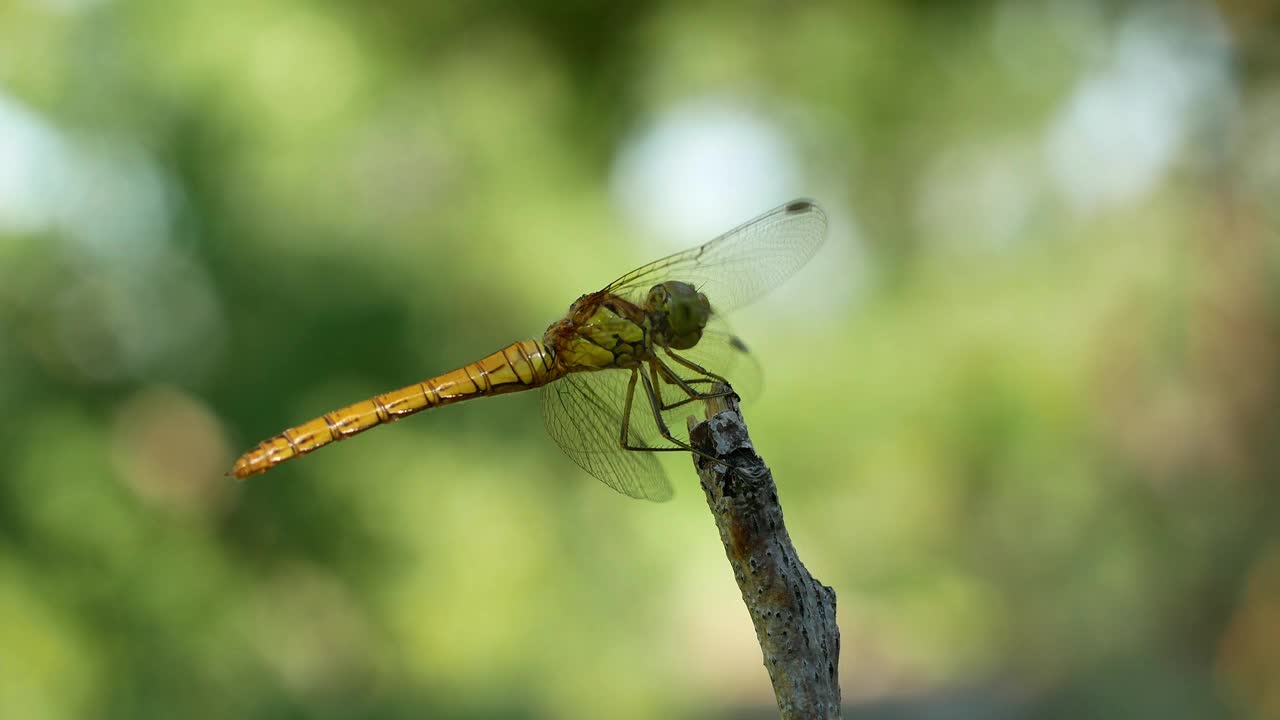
<point x="677" y="313"/>
<point x="600" y="331"/>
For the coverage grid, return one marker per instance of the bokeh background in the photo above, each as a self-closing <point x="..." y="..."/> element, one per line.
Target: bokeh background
<point x="1023" y="410"/>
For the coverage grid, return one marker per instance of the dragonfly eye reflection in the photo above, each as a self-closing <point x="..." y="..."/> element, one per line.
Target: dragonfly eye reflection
<point x="678" y="313"/>
<point x="622" y="370"/>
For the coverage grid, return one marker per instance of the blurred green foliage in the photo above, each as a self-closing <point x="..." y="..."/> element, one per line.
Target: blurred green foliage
<point x="1022" y="410"/>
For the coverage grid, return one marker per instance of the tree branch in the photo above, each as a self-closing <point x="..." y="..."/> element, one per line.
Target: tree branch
<point x="794" y="614"/>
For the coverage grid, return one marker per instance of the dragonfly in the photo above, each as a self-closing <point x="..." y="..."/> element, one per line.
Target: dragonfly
<point x="621" y="365"/>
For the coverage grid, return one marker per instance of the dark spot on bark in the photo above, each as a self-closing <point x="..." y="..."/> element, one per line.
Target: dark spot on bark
<point x="698" y="436"/>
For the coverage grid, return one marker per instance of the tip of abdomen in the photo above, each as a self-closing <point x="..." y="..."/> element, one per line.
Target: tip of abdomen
<point x="266" y="455"/>
<point x="248" y="465"/>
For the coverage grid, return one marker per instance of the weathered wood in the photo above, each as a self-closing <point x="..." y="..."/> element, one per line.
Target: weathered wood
<point x="794" y="614"/>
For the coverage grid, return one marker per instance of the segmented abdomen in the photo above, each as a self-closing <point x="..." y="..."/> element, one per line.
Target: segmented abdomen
<point x="518" y="366"/>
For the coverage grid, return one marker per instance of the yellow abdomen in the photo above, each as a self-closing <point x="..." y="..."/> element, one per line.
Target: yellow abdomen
<point x="519" y="366"/>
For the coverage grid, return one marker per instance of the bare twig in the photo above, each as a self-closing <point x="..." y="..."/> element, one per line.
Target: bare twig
<point x="794" y="614"/>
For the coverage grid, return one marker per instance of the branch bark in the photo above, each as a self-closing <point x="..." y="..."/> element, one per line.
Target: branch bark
<point x="794" y="614"/>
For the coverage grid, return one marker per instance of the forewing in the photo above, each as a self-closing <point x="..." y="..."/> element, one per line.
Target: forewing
<point x="583" y="414"/>
<point x="722" y="352"/>
<point x="742" y="264"/>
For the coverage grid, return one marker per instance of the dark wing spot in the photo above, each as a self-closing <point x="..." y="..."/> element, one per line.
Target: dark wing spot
<point x="736" y="343"/>
<point x="799" y="206"/>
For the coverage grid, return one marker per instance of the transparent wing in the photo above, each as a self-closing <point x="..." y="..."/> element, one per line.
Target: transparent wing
<point x="724" y="353"/>
<point x="742" y="264"/>
<point x="583" y="414"/>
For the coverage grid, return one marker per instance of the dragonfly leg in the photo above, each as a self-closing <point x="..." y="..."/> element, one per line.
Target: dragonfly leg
<point x="694" y="367"/>
<point x="626" y="410"/>
<point x="686" y="385"/>
<point x="626" y="422"/>
<point x="655" y="403"/>
<point x="659" y="372"/>
<point x="661" y="375"/>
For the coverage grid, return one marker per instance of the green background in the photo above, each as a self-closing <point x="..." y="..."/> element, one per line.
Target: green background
<point x="1022" y="409"/>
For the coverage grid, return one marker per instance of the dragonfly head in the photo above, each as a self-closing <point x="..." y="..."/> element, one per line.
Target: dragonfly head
<point x="678" y="313"/>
